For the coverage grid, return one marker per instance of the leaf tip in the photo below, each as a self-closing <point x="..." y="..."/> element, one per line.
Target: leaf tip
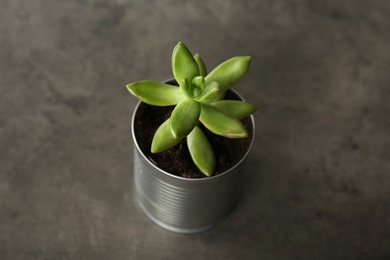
<point x="208" y="174"/>
<point x="129" y="87"/>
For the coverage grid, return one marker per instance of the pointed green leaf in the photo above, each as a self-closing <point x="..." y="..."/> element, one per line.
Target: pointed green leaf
<point x="201" y="151"/>
<point x="163" y="138"/>
<point x="210" y="93"/>
<point x="183" y="63"/>
<point x="201" y="65"/>
<point x="228" y="73"/>
<point x="235" y="108"/>
<point x="155" y="93"/>
<point x="220" y="123"/>
<point x="184" y="117"/>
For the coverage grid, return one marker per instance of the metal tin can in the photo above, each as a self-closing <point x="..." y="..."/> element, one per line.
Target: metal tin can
<point x="185" y="205"/>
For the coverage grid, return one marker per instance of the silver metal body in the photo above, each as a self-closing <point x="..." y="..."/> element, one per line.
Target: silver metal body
<point x="184" y="205"/>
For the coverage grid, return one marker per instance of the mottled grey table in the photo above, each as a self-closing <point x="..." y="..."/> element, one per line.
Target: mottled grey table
<point x="318" y="185"/>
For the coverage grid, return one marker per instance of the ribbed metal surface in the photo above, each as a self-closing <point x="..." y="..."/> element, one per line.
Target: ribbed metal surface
<point x="181" y="204"/>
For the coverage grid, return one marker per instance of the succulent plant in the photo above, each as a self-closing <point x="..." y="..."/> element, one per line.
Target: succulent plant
<point x="197" y="100"/>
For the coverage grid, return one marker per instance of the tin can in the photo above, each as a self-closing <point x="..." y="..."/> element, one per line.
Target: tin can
<point x="185" y="205"/>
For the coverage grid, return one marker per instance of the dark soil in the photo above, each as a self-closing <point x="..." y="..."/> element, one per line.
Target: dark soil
<point x="177" y="160"/>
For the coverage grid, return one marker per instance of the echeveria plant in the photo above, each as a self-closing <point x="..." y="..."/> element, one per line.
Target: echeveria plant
<point x="197" y="100"/>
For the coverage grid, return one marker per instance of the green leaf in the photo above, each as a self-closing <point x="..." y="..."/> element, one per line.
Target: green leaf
<point x="155" y="93"/>
<point x="201" y="65"/>
<point x="220" y="123"/>
<point x="183" y="63"/>
<point x="163" y="138"/>
<point x="186" y="87"/>
<point x="196" y="91"/>
<point x="199" y="82"/>
<point x="235" y="108"/>
<point x="211" y="91"/>
<point x="201" y="151"/>
<point x="198" y="85"/>
<point x="228" y="73"/>
<point x="184" y="117"/>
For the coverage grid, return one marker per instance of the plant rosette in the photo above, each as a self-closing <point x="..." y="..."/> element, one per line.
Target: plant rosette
<point x="182" y="130"/>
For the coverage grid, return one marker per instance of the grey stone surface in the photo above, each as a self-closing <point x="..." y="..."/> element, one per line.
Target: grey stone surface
<point x="319" y="181"/>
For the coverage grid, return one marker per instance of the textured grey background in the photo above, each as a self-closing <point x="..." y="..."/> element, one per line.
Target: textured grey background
<point x="318" y="185"/>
